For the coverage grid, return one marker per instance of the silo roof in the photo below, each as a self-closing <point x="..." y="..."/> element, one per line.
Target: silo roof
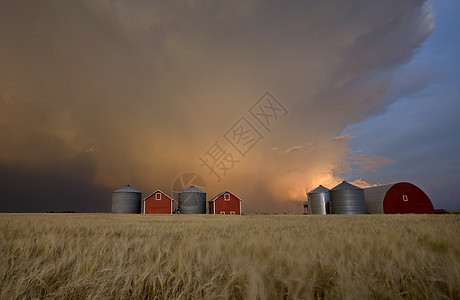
<point x="192" y="189"/>
<point x="319" y="190"/>
<point x="345" y="186"/>
<point x="127" y="189"/>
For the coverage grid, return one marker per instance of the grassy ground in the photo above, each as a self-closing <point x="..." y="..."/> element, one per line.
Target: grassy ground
<point x="78" y="256"/>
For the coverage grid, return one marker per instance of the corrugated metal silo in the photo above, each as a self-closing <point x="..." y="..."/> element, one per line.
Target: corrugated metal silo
<point x="192" y="201"/>
<point x="397" y="198"/>
<point x="126" y="200"/>
<point x="347" y="199"/>
<point x="318" y="201"/>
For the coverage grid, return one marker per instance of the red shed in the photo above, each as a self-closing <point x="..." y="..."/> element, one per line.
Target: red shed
<point x="157" y="203"/>
<point x="225" y="204"/>
<point x="398" y="198"/>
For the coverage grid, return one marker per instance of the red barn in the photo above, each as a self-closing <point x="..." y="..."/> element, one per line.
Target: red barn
<point x="225" y="204"/>
<point x="157" y="203"/>
<point x="398" y="198"/>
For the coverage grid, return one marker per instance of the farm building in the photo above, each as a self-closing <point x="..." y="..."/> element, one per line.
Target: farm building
<point x="346" y="199"/>
<point x="318" y="201"/>
<point x="225" y="203"/>
<point x="126" y="200"/>
<point x="398" y="198"/>
<point x="192" y="201"/>
<point x="157" y="203"/>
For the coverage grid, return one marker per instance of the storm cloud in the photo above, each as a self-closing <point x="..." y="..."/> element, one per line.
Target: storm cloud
<point x="98" y="94"/>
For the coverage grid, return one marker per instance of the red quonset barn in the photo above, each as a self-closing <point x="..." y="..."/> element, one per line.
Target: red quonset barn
<point x="398" y="198"/>
<point x="157" y="203"/>
<point x="225" y="204"/>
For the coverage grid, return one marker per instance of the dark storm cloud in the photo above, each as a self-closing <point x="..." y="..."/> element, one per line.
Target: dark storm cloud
<point x="58" y="188"/>
<point x="136" y="91"/>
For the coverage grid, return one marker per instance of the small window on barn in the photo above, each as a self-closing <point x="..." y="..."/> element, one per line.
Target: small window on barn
<point x="232" y="212"/>
<point x="158" y="196"/>
<point x="405" y="198"/>
<point x="222" y="212"/>
<point x="227" y="197"/>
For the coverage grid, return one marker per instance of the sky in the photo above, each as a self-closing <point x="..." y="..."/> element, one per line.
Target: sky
<point x="267" y="99"/>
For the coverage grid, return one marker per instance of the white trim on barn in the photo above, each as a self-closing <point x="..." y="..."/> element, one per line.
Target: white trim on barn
<point x="227" y="191"/>
<point x="172" y="200"/>
<point x="220" y="194"/>
<point x="160" y="192"/>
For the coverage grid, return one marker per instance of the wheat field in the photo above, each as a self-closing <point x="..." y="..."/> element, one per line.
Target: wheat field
<point x="104" y="256"/>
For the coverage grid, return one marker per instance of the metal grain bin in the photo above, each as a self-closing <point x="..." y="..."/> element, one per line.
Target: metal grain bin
<point x="347" y="199"/>
<point x="126" y="200"/>
<point x="192" y="201"/>
<point x="318" y="201"/>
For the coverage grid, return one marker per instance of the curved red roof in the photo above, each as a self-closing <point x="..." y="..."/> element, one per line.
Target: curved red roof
<point x="406" y="198"/>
